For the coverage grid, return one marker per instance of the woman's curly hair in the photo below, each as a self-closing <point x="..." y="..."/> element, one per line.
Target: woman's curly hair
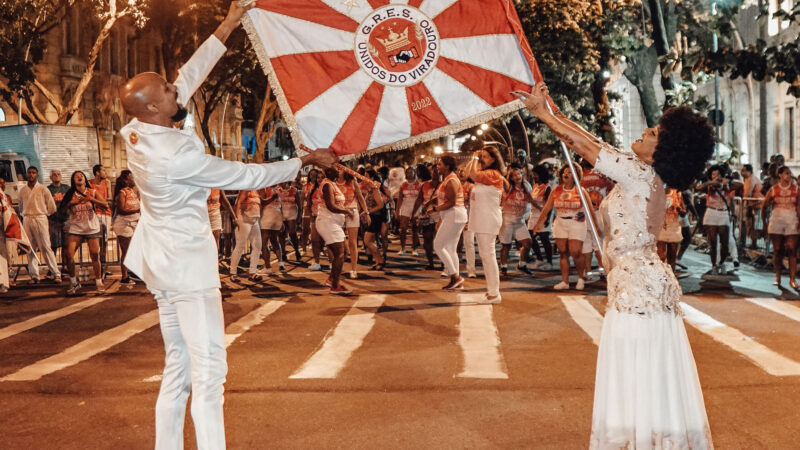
<point x="685" y="143"/>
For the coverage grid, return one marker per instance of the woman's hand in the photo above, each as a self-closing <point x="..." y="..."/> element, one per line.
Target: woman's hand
<point x="536" y="100"/>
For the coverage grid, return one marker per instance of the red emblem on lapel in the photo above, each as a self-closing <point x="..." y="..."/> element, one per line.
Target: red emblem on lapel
<point x="134" y="138"/>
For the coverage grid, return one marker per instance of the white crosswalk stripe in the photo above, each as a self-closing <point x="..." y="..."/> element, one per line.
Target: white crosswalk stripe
<point x="42" y="319"/>
<point x="479" y="340"/>
<point x="346" y="338"/>
<point x="86" y="349"/>
<point x="777" y="306"/>
<point x="584" y="314"/>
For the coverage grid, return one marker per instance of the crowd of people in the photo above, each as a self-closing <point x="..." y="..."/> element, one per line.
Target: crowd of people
<point x="438" y="209"/>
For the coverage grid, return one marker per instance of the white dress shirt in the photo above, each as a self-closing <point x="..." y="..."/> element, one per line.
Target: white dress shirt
<point x="37" y="201"/>
<point x="173" y="248"/>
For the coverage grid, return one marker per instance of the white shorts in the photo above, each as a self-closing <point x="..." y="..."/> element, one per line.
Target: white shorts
<point x="330" y="227"/>
<point x="407" y="208"/>
<point x="354" y="221"/>
<point x="125" y="225"/>
<point x="569" y="229"/>
<point x="716" y="218"/>
<point x="215" y="217"/>
<point x="783" y="222"/>
<point x="271" y="219"/>
<point x="589" y="244"/>
<point x="289" y="213"/>
<point x="513" y="230"/>
<point x="105" y="221"/>
<point x="670" y="232"/>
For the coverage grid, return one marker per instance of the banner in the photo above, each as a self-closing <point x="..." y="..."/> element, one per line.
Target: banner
<point x="357" y="75"/>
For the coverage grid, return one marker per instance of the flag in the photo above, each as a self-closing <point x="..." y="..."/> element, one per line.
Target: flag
<point x="357" y="75"/>
<point x="13" y="231"/>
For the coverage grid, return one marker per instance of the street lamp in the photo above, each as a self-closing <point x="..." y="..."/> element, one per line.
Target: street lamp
<point x="479" y="132"/>
<point x="484" y="127"/>
<point x="716" y="86"/>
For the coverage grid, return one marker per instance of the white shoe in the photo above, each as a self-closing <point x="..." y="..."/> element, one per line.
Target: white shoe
<point x="401" y="253"/>
<point x="491" y="301"/>
<point x="579" y="284"/>
<point x="561" y="286"/>
<point x="99" y="287"/>
<point x="315" y="267"/>
<point x="472" y="275"/>
<point x="73" y="289"/>
<point x="544" y="267"/>
<point x="444" y="274"/>
<point x="414" y="253"/>
<point x="353" y="275"/>
<point x="3" y="289"/>
<point x="268" y="272"/>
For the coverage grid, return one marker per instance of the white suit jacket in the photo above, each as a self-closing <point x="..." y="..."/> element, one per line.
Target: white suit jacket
<point x="172" y="248"/>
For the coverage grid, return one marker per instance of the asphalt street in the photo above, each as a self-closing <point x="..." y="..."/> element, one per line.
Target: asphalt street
<point x="401" y="364"/>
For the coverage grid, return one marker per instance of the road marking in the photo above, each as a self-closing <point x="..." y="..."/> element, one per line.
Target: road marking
<point x="42" y="319"/>
<point x="238" y="328"/>
<point x="773" y="363"/>
<point x="346" y="338"/>
<point x="86" y="349"/>
<point x="584" y="314"/>
<point x="782" y="308"/>
<point x="479" y="340"/>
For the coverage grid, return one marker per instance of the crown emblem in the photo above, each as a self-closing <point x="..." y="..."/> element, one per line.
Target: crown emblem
<point x="395" y="40"/>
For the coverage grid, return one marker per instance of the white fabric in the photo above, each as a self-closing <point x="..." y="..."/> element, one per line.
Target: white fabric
<point x="647" y="392"/>
<point x="193" y="330"/>
<point x="353" y="221"/>
<point x="468" y="237"/>
<point x="569" y="229"/>
<point x="289" y="213"/>
<point x="513" y="230"/>
<point x="330" y="226"/>
<point x="782" y="221"/>
<point x="407" y="208"/>
<point x="485" y="215"/>
<point x="446" y="241"/>
<point x="248" y="231"/>
<point x="489" y="261"/>
<point x="38" y="230"/>
<point x="125" y="225"/>
<point x="37" y="201"/>
<point x="716" y="218"/>
<point x="271" y="218"/>
<point x="173" y="248"/>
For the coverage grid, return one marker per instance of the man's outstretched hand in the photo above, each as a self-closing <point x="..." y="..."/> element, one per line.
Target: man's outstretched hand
<point x="233" y="19"/>
<point x="321" y="157"/>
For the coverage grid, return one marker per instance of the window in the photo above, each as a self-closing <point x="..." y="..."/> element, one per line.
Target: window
<point x="775" y="25"/>
<point x="113" y="44"/>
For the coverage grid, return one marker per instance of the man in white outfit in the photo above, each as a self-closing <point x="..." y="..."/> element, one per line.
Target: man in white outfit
<point x="36" y="204"/>
<point x="173" y="249"/>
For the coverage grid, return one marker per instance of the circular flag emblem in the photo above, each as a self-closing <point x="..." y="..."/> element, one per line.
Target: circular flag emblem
<point x="397" y="45"/>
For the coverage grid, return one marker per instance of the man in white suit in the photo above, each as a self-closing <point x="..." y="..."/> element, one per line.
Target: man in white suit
<point x="173" y="249"/>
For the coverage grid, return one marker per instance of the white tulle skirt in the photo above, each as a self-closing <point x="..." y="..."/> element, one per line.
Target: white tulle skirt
<point x="647" y="393"/>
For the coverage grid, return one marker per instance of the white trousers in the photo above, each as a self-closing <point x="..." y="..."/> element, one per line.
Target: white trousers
<point x="38" y="231"/>
<point x="247" y="232"/>
<point x="469" y="249"/>
<point x="193" y="330"/>
<point x="446" y="243"/>
<point x="3" y="261"/>
<point x="489" y="260"/>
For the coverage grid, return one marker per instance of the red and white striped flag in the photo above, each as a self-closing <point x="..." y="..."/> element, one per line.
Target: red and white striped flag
<point x="356" y="75"/>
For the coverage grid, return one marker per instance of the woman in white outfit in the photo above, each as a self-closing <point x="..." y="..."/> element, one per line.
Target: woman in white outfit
<point x="453" y="215"/>
<point x="330" y="224"/>
<point x="409" y="191"/>
<point x="670" y="234"/>
<point x="353" y="201"/>
<point x="126" y="216"/>
<point x="647" y="392"/>
<point x="467" y="236"/>
<point x="248" y="211"/>
<point x="516" y="208"/>
<point x="783" y="223"/>
<point x="271" y="224"/>
<point x="485" y="216"/>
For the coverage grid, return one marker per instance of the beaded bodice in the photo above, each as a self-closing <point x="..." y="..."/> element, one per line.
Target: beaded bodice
<point x="638" y="281"/>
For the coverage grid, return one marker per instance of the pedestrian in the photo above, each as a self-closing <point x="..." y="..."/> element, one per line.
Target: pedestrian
<point x="126" y="215"/>
<point x="453" y="216"/>
<point x="353" y="202"/>
<point x="172" y="248"/>
<point x="271" y="224"/>
<point x="670" y="236"/>
<point x="752" y="199"/>
<point x="247" y="213"/>
<point x="716" y="221"/>
<point x="102" y="187"/>
<point x="407" y="198"/>
<point x="485" y="214"/>
<point x="783" y="223"/>
<point x="313" y="203"/>
<point x="569" y="227"/>
<point x="468" y="235"/>
<point x="516" y="208"/>
<point x="36" y="204"/>
<point x="216" y="200"/>
<point x="83" y="225"/>
<point x="56" y="222"/>
<point x="330" y="226"/>
<point x="426" y="216"/>
<point x="540" y="192"/>
<point x="376" y="208"/>
<point x="290" y="201"/>
<point x="7" y="214"/>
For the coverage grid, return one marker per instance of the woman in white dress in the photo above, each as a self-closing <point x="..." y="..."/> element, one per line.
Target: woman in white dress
<point x="271" y="225"/>
<point x="647" y="392"/>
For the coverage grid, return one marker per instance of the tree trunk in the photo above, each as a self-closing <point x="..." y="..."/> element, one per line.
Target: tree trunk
<point x="207" y="134"/>
<point x="660" y="41"/>
<point x="640" y="71"/>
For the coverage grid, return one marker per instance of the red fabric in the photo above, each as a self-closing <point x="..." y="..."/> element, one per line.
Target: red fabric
<point x="14" y="227"/>
<point x="305" y="76"/>
<point x="378" y="3"/>
<point x="492" y="87"/>
<point x="489" y="178"/>
<point x="428" y="118"/>
<point x="357" y="129"/>
<point x="312" y="10"/>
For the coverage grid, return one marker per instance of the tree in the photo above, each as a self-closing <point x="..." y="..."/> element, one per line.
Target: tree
<point x="44" y="15"/>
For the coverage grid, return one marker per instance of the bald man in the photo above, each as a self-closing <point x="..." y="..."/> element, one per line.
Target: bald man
<point x="173" y="249"/>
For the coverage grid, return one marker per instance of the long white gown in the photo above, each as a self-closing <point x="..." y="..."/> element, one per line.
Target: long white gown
<point x="647" y="392"/>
